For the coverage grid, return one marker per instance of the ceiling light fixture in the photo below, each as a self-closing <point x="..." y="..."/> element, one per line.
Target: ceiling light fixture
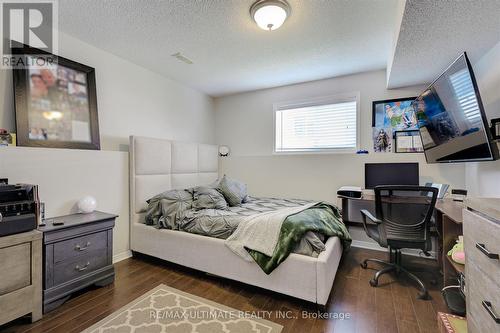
<point x="270" y="14"/>
<point x="52" y="115"/>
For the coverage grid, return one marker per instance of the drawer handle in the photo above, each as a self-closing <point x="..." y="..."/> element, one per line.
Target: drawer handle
<point x="78" y="247"/>
<point x="489" y="308"/>
<point x="483" y="249"/>
<point x="80" y="269"/>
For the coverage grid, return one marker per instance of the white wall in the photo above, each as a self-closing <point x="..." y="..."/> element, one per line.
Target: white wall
<point x="131" y="100"/>
<point x="244" y="122"/>
<point x="66" y="175"/>
<point x="483" y="179"/>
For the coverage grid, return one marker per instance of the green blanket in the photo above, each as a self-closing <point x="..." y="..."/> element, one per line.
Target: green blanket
<point x="322" y="217"/>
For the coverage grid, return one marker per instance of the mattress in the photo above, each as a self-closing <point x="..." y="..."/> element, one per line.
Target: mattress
<point x="221" y="224"/>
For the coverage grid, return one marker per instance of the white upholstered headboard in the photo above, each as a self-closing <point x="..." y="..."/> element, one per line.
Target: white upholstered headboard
<point x="158" y="165"/>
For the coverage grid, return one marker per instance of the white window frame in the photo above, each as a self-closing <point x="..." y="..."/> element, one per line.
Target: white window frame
<point x="331" y="99"/>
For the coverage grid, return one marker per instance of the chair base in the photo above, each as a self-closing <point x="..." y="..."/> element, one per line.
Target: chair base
<point x="395" y="266"/>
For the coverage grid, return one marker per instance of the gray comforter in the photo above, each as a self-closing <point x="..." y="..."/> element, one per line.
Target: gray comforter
<point x="222" y="223"/>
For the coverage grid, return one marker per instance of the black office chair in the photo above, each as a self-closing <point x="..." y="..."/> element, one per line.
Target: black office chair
<point x="401" y="225"/>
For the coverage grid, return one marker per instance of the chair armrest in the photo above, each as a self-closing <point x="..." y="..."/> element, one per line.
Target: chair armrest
<point x="379" y="235"/>
<point x="365" y="214"/>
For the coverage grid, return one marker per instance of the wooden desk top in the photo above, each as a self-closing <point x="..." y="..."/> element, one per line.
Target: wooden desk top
<point x="446" y="206"/>
<point x="452" y="209"/>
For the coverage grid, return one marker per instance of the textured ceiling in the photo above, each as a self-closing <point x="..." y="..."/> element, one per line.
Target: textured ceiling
<point x="434" y="33"/>
<point x="321" y="39"/>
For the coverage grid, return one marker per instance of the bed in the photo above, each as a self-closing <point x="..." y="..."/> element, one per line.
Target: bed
<point x="157" y="165"/>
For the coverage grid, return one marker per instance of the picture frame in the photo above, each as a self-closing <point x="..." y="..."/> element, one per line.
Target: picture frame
<point x="395" y="114"/>
<point x="408" y="142"/>
<point x="55" y="103"/>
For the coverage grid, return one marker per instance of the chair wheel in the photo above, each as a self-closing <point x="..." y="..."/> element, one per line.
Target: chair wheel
<point x="423" y="296"/>
<point x="363" y="265"/>
<point x="373" y="283"/>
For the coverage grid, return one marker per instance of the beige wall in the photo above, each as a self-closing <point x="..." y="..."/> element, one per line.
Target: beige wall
<point x="131" y="100"/>
<point x="483" y="179"/>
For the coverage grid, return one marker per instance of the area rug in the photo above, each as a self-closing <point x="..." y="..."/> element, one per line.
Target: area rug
<point x="168" y="310"/>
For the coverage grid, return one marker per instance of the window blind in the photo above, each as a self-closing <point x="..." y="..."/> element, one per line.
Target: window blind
<point x="462" y="85"/>
<point x="319" y="127"/>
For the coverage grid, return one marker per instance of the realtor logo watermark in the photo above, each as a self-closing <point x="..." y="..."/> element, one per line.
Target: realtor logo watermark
<point x="27" y="25"/>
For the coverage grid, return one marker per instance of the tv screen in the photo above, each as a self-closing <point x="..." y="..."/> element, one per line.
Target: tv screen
<point x="452" y="123"/>
<point x="391" y="174"/>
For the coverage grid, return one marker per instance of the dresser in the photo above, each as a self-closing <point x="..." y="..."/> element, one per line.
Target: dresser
<point x="21" y="276"/>
<point x="482" y="266"/>
<point x="76" y="254"/>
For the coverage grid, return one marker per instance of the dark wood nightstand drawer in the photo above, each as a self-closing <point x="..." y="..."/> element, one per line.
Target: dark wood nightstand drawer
<point x="70" y="269"/>
<point x="78" y="252"/>
<point x="78" y="246"/>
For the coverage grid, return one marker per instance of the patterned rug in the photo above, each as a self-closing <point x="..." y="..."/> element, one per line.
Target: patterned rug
<point x="169" y="310"/>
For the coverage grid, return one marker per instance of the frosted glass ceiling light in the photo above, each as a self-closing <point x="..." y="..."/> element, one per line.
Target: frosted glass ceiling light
<point x="270" y="14"/>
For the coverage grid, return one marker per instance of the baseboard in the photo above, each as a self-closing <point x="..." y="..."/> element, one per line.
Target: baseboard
<point x="355" y="243"/>
<point x="376" y="247"/>
<point x="122" y="256"/>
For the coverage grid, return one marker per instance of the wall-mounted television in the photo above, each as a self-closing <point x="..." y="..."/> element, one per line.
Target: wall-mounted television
<point x="452" y="122"/>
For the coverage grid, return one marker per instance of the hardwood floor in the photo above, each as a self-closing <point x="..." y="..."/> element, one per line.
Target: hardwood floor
<point x="391" y="307"/>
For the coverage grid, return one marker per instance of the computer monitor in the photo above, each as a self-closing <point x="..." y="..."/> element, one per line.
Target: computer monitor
<point x="391" y="174"/>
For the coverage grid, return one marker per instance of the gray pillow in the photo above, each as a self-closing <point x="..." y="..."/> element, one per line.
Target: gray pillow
<point x="164" y="208"/>
<point x="208" y="198"/>
<point x="234" y="191"/>
<point x="214" y="184"/>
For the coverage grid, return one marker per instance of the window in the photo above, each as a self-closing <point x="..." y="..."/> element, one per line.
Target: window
<point x="329" y="124"/>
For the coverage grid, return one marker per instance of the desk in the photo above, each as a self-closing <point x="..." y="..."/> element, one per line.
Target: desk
<point x="448" y="217"/>
<point x="449" y="220"/>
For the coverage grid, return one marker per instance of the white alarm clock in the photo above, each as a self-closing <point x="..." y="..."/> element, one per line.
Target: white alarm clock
<point x="87" y="204"/>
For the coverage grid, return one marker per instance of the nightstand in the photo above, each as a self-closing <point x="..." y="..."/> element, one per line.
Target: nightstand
<point x="76" y="254"/>
<point x="21" y="276"/>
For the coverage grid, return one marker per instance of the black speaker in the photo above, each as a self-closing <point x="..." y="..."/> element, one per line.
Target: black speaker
<point x="495" y="128"/>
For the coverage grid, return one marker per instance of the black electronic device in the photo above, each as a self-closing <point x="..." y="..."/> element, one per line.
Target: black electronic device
<point x="458" y="194"/>
<point x="454" y="296"/>
<point x="451" y="118"/>
<point x="495" y="128"/>
<point x="391" y="174"/>
<point x="18" y="208"/>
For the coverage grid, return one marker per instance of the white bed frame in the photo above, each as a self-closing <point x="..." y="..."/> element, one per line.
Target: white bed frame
<point x="157" y="165"/>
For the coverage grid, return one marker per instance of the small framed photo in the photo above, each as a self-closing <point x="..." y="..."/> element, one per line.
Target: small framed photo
<point x="408" y="142"/>
<point x="397" y="114"/>
<point x="55" y="102"/>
